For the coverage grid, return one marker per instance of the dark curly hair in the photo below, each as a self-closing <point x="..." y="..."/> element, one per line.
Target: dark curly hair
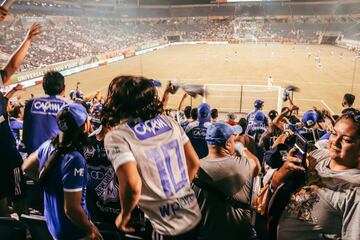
<point x="130" y="97"/>
<point x="354" y="116"/>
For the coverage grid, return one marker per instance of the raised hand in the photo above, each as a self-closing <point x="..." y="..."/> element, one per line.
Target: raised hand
<point x="34" y="31"/>
<point x="3" y="13"/>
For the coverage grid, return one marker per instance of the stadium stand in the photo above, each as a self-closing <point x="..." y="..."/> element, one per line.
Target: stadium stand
<point x="125" y="166"/>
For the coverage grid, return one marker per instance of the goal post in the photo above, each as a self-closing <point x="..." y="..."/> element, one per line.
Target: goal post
<point x="240" y="97"/>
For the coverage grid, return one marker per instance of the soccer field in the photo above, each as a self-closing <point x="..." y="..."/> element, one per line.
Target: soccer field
<point x="322" y="87"/>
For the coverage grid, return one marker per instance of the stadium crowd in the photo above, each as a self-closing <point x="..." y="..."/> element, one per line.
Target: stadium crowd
<point x="70" y="38"/>
<point x="123" y="167"/>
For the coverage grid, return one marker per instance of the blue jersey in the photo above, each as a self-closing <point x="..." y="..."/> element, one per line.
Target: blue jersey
<point x="252" y="118"/>
<point x="40" y="120"/>
<point x="16" y="125"/>
<point x="184" y="124"/>
<point x="69" y="173"/>
<point x="102" y="192"/>
<point x="197" y="132"/>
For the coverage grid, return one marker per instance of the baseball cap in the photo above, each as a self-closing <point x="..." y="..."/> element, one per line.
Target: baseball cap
<point x="237" y="129"/>
<point x="258" y="103"/>
<point x="98" y="107"/>
<point x="218" y="133"/>
<point x="155" y="83"/>
<point x="259" y="117"/>
<point x="310" y="118"/>
<point x="77" y="112"/>
<point x="89" y="104"/>
<point x="204" y="113"/>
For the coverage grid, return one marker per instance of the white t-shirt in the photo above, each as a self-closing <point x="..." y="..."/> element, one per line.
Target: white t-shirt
<point x="156" y="146"/>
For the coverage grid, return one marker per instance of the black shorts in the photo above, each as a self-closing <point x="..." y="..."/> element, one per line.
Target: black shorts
<point x="12" y="181"/>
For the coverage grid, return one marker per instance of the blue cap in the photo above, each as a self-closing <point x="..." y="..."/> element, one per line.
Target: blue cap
<point x="98" y="107"/>
<point x="258" y="103"/>
<point x="237" y="129"/>
<point x="78" y="112"/>
<point x="89" y="104"/>
<point x="310" y="118"/>
<point x="155" y="83"/>
<point x="218" y="133"/>
<point x="259" y="117"/>
<point x="204" y="113"/>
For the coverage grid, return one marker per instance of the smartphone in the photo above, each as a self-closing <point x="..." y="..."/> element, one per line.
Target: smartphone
<point x="292" y="127"/>
<point x="301" y="146"/>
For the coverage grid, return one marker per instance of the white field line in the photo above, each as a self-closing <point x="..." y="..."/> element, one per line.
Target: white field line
<point x="324" y="103"/>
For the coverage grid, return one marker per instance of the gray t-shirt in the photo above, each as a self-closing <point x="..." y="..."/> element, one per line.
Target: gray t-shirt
<point x="232" y="176"/>
<point x="157" y="148"/>
<point x="328" y="207"/>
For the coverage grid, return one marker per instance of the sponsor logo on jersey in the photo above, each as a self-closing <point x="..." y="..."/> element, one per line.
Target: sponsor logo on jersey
<point x="103" y="180"/>
<point x="79" y="172"/>
<point x="199" y="133"/>
<point x="47" y="106"/>
<point x="171" y="209"/>
<point x="150" y="128"/>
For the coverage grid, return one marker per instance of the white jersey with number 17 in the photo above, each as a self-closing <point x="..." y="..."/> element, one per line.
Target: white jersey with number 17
<point x="156" y="145"/>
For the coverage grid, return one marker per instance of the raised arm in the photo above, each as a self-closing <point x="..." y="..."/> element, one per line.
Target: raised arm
<point x="4" y="9"/>
<point x="18" y="56"/>
<point x="165" y="97"/>
<point x="18" y="87"/>
<point x="181" y="103"/>
<point x="278" y="121"/>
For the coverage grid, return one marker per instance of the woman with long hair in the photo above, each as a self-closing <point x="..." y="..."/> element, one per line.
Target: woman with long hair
<point x="153" y="159"/>
<point x="327" y="205"/>
<point x="62" y="172"/>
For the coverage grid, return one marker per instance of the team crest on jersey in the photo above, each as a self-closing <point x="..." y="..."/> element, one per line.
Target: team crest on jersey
<point x="150" y="128"/>
<point x="103" y="180"/>
<point x="47" y="106"/>
<point x="89" y="152"/>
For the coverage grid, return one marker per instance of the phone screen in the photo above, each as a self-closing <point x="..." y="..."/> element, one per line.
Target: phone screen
<point x="301" y="146"/>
